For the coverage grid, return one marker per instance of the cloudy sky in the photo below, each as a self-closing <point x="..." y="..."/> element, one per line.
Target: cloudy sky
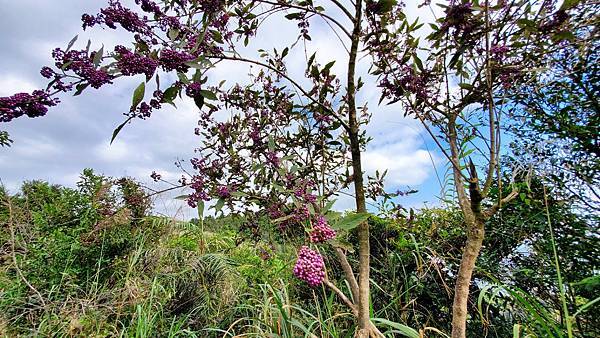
<point x="76" y="134"/>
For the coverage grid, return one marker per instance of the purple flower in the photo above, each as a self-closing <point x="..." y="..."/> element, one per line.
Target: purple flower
<point x="321" y="231"/>
<point x="310" y="266"/>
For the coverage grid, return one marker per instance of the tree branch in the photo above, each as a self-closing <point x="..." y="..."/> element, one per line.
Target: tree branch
<point x="285" y="76"/>
<point x="348" y="272"/>
<point x="324" y="16"/>
<point x="342" y="296"/>
<point x="489" y="212"/>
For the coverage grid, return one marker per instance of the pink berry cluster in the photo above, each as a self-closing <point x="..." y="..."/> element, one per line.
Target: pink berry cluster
<point x="310" y="266"/>
<point x="321" y="231"/>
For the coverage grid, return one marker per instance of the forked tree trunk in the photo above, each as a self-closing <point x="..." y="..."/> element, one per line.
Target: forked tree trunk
<point x="475" y="235"/>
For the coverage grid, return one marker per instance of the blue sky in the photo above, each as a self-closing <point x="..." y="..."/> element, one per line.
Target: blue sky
<point x="76" y="134"/>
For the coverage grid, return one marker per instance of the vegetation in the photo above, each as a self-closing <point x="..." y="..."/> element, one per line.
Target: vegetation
<point x="77" y="262"/>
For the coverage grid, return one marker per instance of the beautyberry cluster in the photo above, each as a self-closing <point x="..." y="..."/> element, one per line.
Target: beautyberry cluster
<point x="405" y="80"/>
<point x="155" y="176"/>
<point x="174" y="60"/>
<point x="310" y="266"/>
<point x="193" y="89"/>
<point x="33" y="105"/>
<point x="199" y="194"/>
<point x="149" y="7"/>
<point x="81" y="64"/>
<point x="130" y="63"/>
<point x="117" y="14"/>
<point x="321" y="231"/>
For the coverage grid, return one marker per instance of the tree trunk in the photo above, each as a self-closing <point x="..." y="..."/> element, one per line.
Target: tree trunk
<point x="364" y="320"/>
<point x="475" y="234"/>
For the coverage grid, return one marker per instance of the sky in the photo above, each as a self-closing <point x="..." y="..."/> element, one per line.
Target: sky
<point x="76" y="134"/>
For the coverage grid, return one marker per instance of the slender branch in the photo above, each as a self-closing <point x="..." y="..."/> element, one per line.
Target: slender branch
<point x="489" y="212"/>
<point x="282" y="74"/>
<point x="323" y="15"/>
<point x="342" y="296"/>
<point x="348" y="272"/>
<point x="493" y="161"/>
<point x="344" y="9"/>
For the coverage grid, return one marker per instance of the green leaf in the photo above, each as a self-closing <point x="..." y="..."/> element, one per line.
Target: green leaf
<point x="351" y="221"/>
<point x="118" y="129"/>
<point x="329" y="65"/>
<point x="173" y="33"/>
<point x="80" y="88"/>
<point x="98" y="56"/>
<point x="271" y="143"/>
<point x="294" y="16"/>
<point x="72" y="42"/>
<point x="199" y="101"/>
<point x="207" y="94"/>
<point x="402" y="329"/>
<point x="201" y="210"/>
<point x="466" y="86"/>
<point x="182" y="197"/>
<point x="138" y="95"/>
<point x="170" y="94"/>
<point x="568" y="4"/>
<point x="328" y="206"/>
<point x="220" y="204"/>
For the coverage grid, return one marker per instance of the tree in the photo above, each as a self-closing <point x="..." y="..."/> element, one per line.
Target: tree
<point x="477" y="56"/>
<point x="556" y="116"/>
<point x="264" y="157"/>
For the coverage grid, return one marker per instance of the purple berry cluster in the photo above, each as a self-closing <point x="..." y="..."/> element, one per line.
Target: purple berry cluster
<point x="273" y="159"/>
<point x="321" y="231"/>
<point x="498" y="52"/>
<point x="155" y="176"/>
<point x="33" y="105"/>
<point x="310" y="266"/>
<point x="224" y="192"/>
<point x="149" y="7"/>
<point x="405" y="80"/>
<point x="199" y="194"/>
<point x="174" y="60"/>
<point x="211" y="6"/>
<point x="130" y="63"/>
<point x="81" y="64"/>
<point x="193" y="89"/>
<point x="117" y="14"/>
